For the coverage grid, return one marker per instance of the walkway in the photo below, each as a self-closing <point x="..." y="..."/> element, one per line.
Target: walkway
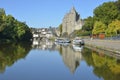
<point x="110" y="45"/>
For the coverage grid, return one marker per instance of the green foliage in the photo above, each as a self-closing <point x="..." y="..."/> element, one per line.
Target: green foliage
<point x="99" y="27"/>
<point x="82" y="33"/>
<point x="88" y="24"/>
<point x="86" y="28"/>
<point x="7" y="31"/>
<point x="113" y="28"/>
<point x="12" y="29"/>
<point x="107" y="12"/>
<point x="117" y="3"/>
<point x="60" y="28"/>
<point x="86" y="33"/>
<point x="2" y="19"/>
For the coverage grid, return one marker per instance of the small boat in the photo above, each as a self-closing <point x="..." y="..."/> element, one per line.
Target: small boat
<point x="78" y="41"/>
<point x="77" y="47"/>
<point x="62" y="40"/>
<point x="63" y="44"/>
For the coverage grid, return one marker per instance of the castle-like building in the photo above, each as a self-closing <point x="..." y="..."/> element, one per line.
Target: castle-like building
<point x="71" y="22"/>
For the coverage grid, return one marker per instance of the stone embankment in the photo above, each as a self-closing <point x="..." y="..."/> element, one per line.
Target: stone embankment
<point x="109" y="45"/>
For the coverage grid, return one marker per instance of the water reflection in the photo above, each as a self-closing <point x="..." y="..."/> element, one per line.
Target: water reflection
<point x="71" y="54"/>
<point x="97" y="66"/>
<point x="43" y="45"/>
<point x="77" y="47"/>
<point x="10" y="53"/>
<point x="71" y="58"/>
<point x="104" y="66"/>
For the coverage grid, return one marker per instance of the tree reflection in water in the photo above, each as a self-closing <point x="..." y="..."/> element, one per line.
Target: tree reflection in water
<point x="104" y="66"/>
<point x="10" y="53"/>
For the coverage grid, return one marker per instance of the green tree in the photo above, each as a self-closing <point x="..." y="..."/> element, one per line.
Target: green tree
<point x="113" y="28"/>
<point x="12" y="29"/>
<point x="88" y="24"/>
<point x="8" y="32"/>
<point x="99" y="27"/>
<point x="107" y="12"/>
<point x="60" y="28"/>
<point x="2" y="18"/>
<point x="117" y="3"/>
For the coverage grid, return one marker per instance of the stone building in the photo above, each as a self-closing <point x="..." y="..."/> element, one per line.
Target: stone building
<point x="71" y="22"/>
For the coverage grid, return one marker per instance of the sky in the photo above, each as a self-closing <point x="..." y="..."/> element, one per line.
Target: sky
<point x="46" y="13"/>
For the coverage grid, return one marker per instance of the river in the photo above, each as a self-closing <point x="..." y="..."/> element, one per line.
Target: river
<point x="50" y="61"/>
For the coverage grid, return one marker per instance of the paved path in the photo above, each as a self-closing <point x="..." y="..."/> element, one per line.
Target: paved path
<point x="110" y="45"/>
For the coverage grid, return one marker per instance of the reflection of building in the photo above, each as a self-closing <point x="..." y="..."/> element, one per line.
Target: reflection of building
<point x="39" y="44"/>
<point x="49" y="34"/>
<point x="71" y="58"/>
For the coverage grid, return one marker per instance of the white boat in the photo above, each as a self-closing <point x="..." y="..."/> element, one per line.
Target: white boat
<point x="77" y="47"/>
<point x="62" y="40"/>
<point x="78" y="41"/>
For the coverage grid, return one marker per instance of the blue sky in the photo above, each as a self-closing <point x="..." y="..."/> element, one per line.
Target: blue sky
<point x="45" y="13"/>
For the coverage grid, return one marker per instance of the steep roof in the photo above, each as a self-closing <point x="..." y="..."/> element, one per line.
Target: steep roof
<point x="73" y="10"/>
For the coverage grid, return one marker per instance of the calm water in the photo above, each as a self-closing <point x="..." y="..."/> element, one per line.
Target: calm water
<point x="48" y="61"/>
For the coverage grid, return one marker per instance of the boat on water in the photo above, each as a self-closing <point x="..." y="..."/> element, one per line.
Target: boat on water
<point x="78" y="41"/>
<point x="77" y="47"/>
<point x="62" y="40"/>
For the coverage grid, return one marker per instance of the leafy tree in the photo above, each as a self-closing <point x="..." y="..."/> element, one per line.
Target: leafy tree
<point x="82" y="33"/>
<point x="107" y="12"/>
<point x="26" y="33"/>
<point x="117" y="3"/>
<point x="99" y="27"/>
<point x="2" y="18"/>
<point x="8" y="27"/>
<point x="2" y="13"/>
<point x="12" y="29"/>
<point x="60" y="28"/>
<point x="88" y="24"/>
<point x="113" y="28"/>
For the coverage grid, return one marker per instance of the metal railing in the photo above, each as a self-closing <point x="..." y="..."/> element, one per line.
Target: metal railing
<point x="113" y="37"/>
